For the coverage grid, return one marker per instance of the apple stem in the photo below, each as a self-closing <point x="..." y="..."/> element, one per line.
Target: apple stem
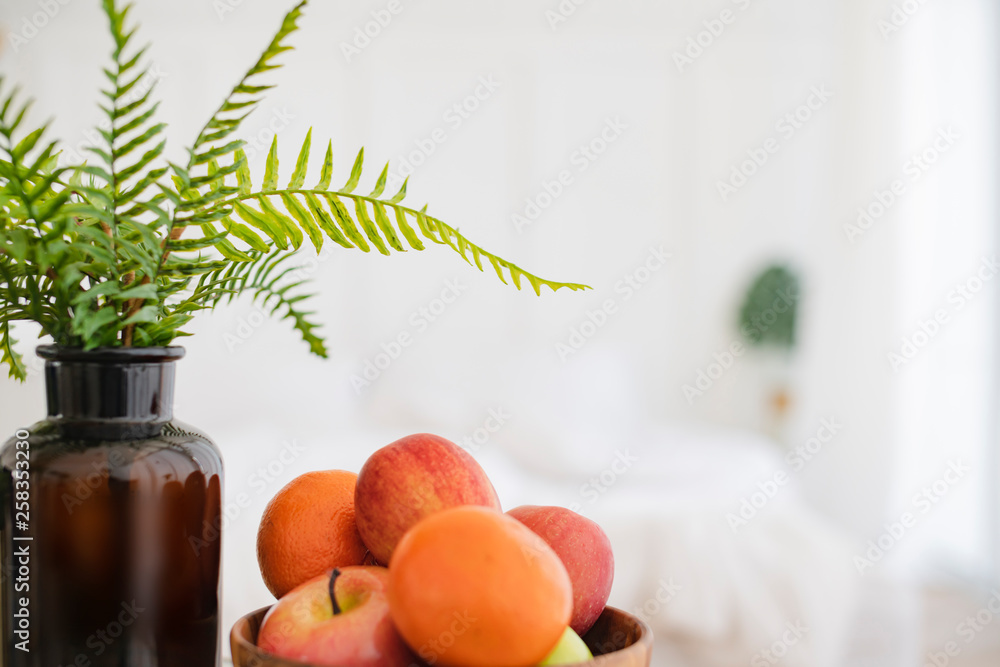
<point x="333" y="598"/>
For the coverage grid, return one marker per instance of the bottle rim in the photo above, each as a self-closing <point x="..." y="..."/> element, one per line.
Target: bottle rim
<point x="121" y="355"/>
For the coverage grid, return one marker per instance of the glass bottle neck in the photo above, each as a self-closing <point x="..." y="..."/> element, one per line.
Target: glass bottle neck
<point x="110" y="386"/>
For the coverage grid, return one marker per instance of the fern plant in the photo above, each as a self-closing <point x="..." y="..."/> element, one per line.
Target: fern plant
<point x="124" y="249"/>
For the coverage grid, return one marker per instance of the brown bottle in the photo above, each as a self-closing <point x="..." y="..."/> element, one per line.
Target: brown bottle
<point x="111" y="521"/>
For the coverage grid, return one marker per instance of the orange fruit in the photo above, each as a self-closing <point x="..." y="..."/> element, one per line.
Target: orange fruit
<point x="469" y="586"/>
<point x="307" y="529"/>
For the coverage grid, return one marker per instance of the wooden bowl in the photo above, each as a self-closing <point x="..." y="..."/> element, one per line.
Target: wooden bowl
<point x="616" y="640"/>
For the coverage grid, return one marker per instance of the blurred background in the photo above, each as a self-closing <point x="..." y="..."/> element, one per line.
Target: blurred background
<point x="779" y="398"/>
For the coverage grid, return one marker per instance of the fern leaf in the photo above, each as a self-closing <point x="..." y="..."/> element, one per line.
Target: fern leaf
<point x="380" y="183"/>
<point x="301" y="164"/>
<point x="148" y="313"/>
<point x="245" y="234"/>
<point x="215" y="153"/>
<point x="498" y="263"/>
<point x="88" y="326"/>
<point x="146" y="291"/>
<point x="263" y="279"/>
<point x="303" y="218"/>
<point x="272" y="229"/>
<point x="121" y="111"/>
<point x="346" y="223"/>
<point x="243" y="95"/>
<point x="15" y="362"/>
<point x="425" y="227"/>
<point x="186" y="245"/>
<point x="327" y="173"/>
<point x="326" y="223"/>
<point x="386" y="227"/>
<point x="139" y="166"/>
<point x="271" y="167"/>
<point x="368" y="227"/>
<point x="150" y="132"/>
<point x="137" y="121"/>
<point x="352" y="182"/>
<point x="291" y="230"/>
<point x="26" y="144"/>
<point x="243" y="173"/>
<point x="399" y="196"/>
<point x="407" y="231"/>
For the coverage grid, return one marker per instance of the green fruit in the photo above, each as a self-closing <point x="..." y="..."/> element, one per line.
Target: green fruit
<point x="569" y="651"/>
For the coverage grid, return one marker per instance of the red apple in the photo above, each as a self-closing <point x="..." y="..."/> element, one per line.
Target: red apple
<point x="339" y="619"/>
<point x="410" y="479"/>
<point x="585" y="551"/>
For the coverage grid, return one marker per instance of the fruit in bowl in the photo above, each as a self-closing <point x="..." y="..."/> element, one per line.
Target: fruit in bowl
<point x="466" y="585"/>
<point x="617" y="639"/>
<point x="308" y="528"/>
<point x="410" y="479"/>
<point x="339" y="619"/>
<point x="585" y="551"/>
<point x="570" y="650"/>
<point x="470" y="586"/>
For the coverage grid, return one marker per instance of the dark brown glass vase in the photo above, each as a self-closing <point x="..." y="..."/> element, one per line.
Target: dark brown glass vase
<point x="110" y="528"/>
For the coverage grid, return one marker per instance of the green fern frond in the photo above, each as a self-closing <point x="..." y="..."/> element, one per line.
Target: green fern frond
<point x="33" y="254"/>
<point x="201" y="199"/>
<point x="287" y="215"/>
<point x="131" y="131"/>
<point x="127" y="248"/>
<point x="245" y="95"/>
<point x="14" y="361"/>
<point x="269" y="278"/>
<point x="117" y="200"/>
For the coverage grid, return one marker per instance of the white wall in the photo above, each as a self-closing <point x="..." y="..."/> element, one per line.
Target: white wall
<point x="655" y="185"/>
